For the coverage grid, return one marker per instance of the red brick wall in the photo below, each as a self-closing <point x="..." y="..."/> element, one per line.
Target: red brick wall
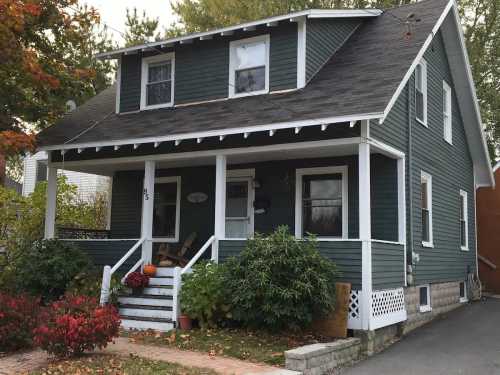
<point x="488" y="234"/>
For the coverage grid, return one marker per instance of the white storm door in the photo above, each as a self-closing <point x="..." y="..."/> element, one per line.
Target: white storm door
<point x="239" y="207"/>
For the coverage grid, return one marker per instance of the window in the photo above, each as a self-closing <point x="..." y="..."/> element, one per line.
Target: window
<point x="166" y="211"/>
<point x="424" y="298"/>
<point x="157" y="81"/>
<point x="421" y="92"/>
<point x="249" y="66"/>
<point x="41" y="170"/>
<point x="464" y="231"/>
<point x="426" y="206"/>
<point x="321" y="202"/>
<point x="463" y="292"/>
<point x="447" y="127"/>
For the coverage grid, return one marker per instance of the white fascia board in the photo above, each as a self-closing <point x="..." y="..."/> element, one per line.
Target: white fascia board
<point x="218" y="133"/>
<point x="312" y="13"/>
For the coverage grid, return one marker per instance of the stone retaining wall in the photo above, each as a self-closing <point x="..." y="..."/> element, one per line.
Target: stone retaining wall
<point x="317" y="359"/>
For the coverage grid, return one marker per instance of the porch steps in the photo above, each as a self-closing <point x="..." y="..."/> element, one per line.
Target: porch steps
<point x="153" y="308"/>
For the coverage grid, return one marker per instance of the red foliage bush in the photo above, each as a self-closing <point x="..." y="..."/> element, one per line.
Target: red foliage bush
<point x="18" y="318"/>
<point x="137" y="280"/>
<point x="76" y="324"/>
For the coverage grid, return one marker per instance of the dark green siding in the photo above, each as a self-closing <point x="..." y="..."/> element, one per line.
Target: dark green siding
<point x="108" y="253"/>
<point x="202" y="68"/>
<point x="324" y="38"/>
<point x="384" y="198"/>
<point x="345" y="254"/>
<point x="388" y="266"/>
<point x="451" y="169"/>
<point x="126" y="204"/>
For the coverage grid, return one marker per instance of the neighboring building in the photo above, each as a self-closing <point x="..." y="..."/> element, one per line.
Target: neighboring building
<point x="354" y="125"/>
<point x="14" y="185"/>
<point x="488" y="234"/>
<point x="35" y="170"/>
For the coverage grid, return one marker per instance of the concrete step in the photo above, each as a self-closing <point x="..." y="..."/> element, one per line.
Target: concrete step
<point x="145" y="312"/>
<point x="131" y="322"/>
<point x="146" y="300"/>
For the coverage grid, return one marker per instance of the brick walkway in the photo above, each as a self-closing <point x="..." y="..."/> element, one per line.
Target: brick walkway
<point x="22" y="362"/>
<point x="221" y="365"/>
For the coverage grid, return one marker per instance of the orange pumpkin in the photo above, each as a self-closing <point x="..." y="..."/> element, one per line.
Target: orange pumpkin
<point x="149" y="270"/>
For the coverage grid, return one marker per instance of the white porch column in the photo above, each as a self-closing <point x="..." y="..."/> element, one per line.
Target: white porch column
<point x="50" y="208"/>
<point x="148" y="194"/>
<point x="365" y="232"/>
<point x="220" y="204"/>
<point x="402" y="208"/>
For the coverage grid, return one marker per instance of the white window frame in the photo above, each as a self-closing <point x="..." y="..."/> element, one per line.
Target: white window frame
<point x="447" y="121"/>
<point x="463" y="194"/>
<point x="423" y="65"/>
<point x="299" y="174"/>
<point x="464" y="299"/>
<point x="426" y="177"/>
<point x="146" y="61"/>
<point x="428" y="307"/>
<point x="167" y="180"/>
<point x="232" y="61"/>
<point x="234" y="175"/>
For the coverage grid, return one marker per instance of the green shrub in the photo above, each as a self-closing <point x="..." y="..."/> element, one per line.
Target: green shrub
<point x="203" y="295"/>
<point x="89" y="284"/>
<point x="280" y="283"/>
<point x="46" y="267"/>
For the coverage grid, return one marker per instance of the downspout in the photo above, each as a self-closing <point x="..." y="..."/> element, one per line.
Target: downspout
<point x="409" y="250"/>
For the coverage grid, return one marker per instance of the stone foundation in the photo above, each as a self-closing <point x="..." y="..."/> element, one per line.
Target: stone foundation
<point x="317" y="359"/>
<point x="444" y="297"/>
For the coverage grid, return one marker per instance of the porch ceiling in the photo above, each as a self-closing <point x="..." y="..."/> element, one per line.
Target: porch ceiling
<point x="107" y="167"/>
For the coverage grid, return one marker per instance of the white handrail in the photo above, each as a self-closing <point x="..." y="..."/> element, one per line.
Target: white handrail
<point x="108" y="271"/>
<point x="197" y="256"/>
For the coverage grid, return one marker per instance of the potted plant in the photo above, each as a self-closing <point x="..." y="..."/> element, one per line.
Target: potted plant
<point x="137" y="281"/>
<point x="149" y="270"/>
<point x="185" y="322"/>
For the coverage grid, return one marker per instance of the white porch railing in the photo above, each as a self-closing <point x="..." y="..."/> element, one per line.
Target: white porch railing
<point x="178" y="272"/>
<point x="109" y="271"/>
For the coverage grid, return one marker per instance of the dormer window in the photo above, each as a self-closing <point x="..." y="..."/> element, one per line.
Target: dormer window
<point x="157" y="89"/>
<point x="249" y="66"/>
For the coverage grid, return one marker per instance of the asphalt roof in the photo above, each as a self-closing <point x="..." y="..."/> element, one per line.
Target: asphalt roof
<point x="360" y="78"/>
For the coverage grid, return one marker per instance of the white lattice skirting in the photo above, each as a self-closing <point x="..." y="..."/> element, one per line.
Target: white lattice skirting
<point x="388" y="307"/>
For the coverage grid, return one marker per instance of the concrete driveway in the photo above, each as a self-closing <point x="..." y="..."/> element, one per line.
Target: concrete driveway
<point x="466" y="342"/>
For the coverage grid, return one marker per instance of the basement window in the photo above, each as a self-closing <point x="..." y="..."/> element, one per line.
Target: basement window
<point x="249" y="66"/>
<point x="424" y="292"/>
<point x="157" y="88"/>
<point x="463" y="292"/>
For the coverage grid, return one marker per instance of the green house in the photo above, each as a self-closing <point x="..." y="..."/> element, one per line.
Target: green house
<point x="360" y="126"/>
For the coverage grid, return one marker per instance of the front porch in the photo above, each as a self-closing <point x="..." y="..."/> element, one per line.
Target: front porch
<point x="348" y="191"/>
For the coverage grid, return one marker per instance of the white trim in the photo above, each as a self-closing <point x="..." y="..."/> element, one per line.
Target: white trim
<point x="465" y="298"/>
<point x="225" y="152"/>
<point x="220" y="203"/>
<point x="447" y="114"/>
<point x="464" y="194"/>
<point x="148" y="194"/>
<point x="118" y="84"/>
<point x="232" y="60"/>
<point x="426" y="177"/>
<point x="248" y="175"/>
<point x="99" y="239"/>
<point x="386" y="149"/>
<point x="428" y="307"/>
<point x="217" y="133"/>
<point x="51" y="203"/>
<point x="178" y="181"/>
<point x="146" y="61"/>
<point x="417" y="59"/>
<point x="270" y="22"/>
<point x="388" y="242"/>
<point x="423" y="65"/>
<point x="233" y="173"/>
<point x="401" y="167"/>
<point x="299" y="173"/>
<point x="301" y="52"/>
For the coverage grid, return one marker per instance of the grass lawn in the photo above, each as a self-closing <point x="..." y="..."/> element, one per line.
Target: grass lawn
<point x="260" y="347"/>
<point x="114" y="365"/>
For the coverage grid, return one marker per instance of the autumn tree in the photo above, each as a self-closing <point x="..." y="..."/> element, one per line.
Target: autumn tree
<point x="480" y="19"/>
<point x="47" y="49"/>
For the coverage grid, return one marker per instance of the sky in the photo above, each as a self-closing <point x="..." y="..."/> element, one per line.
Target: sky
<point x="113" y="12"/>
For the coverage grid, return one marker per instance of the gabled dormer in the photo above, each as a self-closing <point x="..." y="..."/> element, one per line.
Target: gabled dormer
<point x="263" y="57"/>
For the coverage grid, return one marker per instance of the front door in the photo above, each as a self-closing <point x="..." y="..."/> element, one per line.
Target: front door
<point x="239" y="207"/>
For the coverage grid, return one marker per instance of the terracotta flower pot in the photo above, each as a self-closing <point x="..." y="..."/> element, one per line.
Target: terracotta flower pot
<point x="149" y="270"/>
<point x="185" y="322"/>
